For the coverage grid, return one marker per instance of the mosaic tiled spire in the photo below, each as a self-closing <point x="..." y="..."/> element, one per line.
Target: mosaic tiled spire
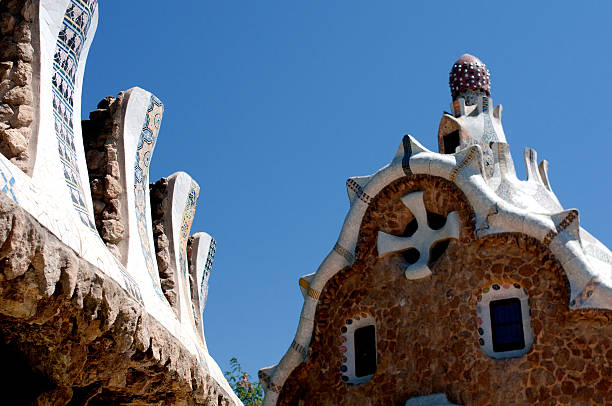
<point x="469" y="75"/>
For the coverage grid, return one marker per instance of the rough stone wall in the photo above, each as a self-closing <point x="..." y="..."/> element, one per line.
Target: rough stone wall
<point x="83" y="338"/>
<point x="159" y="205"/>
<point x="427" y="338"/>
<point x="101" y="138"/>
<point x="16" y="86"/>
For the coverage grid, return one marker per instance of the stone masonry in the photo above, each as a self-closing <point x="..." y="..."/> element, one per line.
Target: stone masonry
<point x="82" y="338"/>
<point x="427" y="331"/>
<point x="101" y="137"/>
<point x="159" y="204"/>
<point x="17" y="113"/>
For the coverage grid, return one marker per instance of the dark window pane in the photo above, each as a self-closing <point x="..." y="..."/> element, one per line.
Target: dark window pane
<point x="451" y="142"/>
<point x="506" y="312"/>
<point x="509" y="333"/>
<point x="365" y="351"/>
<point x="507" y="325"/>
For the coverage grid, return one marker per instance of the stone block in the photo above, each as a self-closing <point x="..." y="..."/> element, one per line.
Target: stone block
<point x="23" y="116"/>
<point x="25" y="52"/>
<point x="22" y="32"/>
<point x="22" y="75"/>
<point x="18" y="95"/>
<point x="14" y="141"/>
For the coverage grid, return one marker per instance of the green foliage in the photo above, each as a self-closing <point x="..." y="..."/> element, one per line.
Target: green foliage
<point x="251" y="393"/>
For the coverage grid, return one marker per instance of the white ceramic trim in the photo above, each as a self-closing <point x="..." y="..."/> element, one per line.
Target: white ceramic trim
<point x="493" y="215"/>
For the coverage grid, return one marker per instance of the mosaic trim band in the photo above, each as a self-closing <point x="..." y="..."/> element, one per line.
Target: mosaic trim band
<point x="466" y="161"/>
<point x="407" y="155"/>
<point x="132" y="287"/>
<point x="186" y="221"/>
<point x="344" y="252"/>
<point x="207" y="268"/>
<point x="571" y="216"/>
<point x="144" y="151"/>
<point x="315" y="294"/>
<point x="304" y="283"/>
<point x="299" y="348"/>
<point x="66" y="58"/>
<point x="355" y="187"/>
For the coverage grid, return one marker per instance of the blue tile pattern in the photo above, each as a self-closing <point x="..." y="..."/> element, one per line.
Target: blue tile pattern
<point x="144" y="151"/>
<point x="207" y="268"/>
<point x="66" y="59"/>
<point x="7" y="182"/>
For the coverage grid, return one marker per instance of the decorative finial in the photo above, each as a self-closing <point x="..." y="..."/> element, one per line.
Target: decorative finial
<point x="468" y="76"/>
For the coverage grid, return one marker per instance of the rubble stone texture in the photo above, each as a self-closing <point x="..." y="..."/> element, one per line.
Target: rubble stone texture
<point x="159" y="204"/>
<point x="427" y="338"/>
<point x="101" y="137"/>
<point x="16" y="86"/>
<point x="71" y="335"/>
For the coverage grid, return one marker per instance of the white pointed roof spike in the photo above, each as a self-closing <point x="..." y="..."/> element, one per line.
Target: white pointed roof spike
<point x="422" y="240"/>
<point x="531" y="165"/>
<point x="543" y="169"/>
<point x="412" y="144"/>
<point x="497" y="112"/>
<point x="504" y="159"/>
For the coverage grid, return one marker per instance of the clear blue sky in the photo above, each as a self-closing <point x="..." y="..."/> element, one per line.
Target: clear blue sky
<point x="271" y="105"/>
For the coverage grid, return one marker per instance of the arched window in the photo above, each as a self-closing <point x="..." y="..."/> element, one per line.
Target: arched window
<point x="358" y="350"/>
<point x="504" y="320"/>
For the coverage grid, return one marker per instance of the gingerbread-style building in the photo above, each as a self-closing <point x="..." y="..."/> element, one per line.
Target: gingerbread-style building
<point x="454" y="282"/>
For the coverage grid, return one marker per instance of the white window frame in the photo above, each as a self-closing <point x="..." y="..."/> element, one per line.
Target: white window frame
<point x="500" y="291"/>
<point x="347" y="348"/>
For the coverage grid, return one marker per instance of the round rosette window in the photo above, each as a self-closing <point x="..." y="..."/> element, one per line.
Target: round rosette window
<point x="504" y="320"/>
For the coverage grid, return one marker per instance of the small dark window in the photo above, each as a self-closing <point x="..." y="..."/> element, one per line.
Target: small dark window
<point x="507" y="325"/>
<point x="411" y="256"/>
<point x="435" y="221"/>
<point x="365" y="351"/>
<point x="437" y="250"/>
<point x="411" y="228"/>
<point x="451" y="142"/>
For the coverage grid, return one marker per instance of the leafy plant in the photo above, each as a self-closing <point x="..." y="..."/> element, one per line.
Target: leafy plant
<point x="251" y="393"/>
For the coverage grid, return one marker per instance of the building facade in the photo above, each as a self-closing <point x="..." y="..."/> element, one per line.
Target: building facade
<point x="454" y="282"/>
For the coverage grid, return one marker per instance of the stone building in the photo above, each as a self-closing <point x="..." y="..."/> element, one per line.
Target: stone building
<point x="454" y="282"/>
<point x="102" y="286"/>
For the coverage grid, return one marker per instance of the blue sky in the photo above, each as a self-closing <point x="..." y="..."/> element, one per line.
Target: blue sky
<point x="272" y="105"/>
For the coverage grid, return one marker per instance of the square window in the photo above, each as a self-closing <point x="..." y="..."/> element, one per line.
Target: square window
<point x="507" y="325"/>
